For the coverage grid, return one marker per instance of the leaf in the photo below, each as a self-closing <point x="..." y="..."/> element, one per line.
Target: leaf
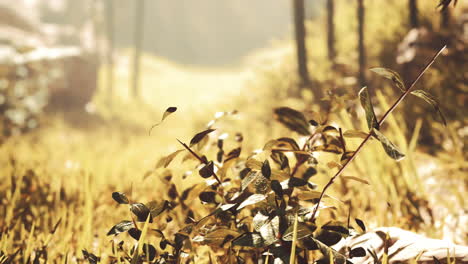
<point x="346" y="156"/>
<point x="217" y="237"/>
<point x="168" y="111"/>
<point x="391" y="75"/>
<point x="120" y="197"/>
<point x="366" y="103"/>
<point x="165" y="161"/>
<point x="391" y="150"/>
<point x="311" y="171"/>
<point x="302" y="231"/>
<point x="92" y="259"/>
<point x="157" y="208"/>
<point x="430" y="99"/>
<point x="141" y="211"/>
<point x="337" y="227"/>
<point x="269" y="231"/>
<point x="358" y="252"/>
<point x="361" y="224"/>
<point x="330" y="253"/>
<point x="198" y="137"/>
<point x="249" y="239"/>
<point x="135" y="233"/>
<point x="207" y="170"/>
<point x="276" y="187"/>
<point x="266" y="170"/>
<point x="354" y="178"/>
<point x="210" y="197"/>
<point x="296" y="182"/>
<point x="149" y="251"/>
<point x="292" y="119"/>
<point x="355" y="134"/>
<point x="121" y="227"/>
<point x="253" y="199"/>
<point x="251" y="176"/>
<point x="235" y="153"/>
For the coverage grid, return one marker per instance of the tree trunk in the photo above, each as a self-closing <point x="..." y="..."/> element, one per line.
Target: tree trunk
<point x="110" y="48"/>
<point x="362" y="49"/>
<point x="299" y="17"/>
<point x="413" y="13"/>
<point x="331" y="30"/>
<point x="139" y="26"/>
<point x="445" y="17"/>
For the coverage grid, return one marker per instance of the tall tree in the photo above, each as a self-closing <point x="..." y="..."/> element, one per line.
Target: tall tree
<point x="300" y="33"/>
<point x="139" y="27"/>
<point x="331" y="30"/>
<point x="445" y="17"/>
<point x="361" y="47"/>
<point x="413" y="13"/>
<point x="110" y="47"/>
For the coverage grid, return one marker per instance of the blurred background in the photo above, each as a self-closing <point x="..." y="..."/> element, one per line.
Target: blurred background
<point x="81" y="83"/>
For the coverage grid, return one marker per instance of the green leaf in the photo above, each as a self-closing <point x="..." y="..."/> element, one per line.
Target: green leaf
<point x="391" y="75"/>
<point x="292" y="119"/>
<point x="120" y="197"/>
<point x="430" y="99"/>
<point x="366" y="103"/>
<point x="392" y="151"/>
<point x="121" y="227"/>
<point x="198" y="137"/>
<point x="168" y="111"/>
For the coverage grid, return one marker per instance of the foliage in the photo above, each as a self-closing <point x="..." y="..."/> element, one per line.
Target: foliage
<point x="260" y="206"/>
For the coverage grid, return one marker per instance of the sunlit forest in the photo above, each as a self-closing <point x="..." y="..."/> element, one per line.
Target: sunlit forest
<point x="233" y="131"/>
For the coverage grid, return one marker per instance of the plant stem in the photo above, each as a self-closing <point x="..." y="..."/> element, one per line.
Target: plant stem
<point x="384" y="117"/>
<point x="199" y="158"/>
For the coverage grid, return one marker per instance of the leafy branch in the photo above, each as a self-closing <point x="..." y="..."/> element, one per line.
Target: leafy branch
<point x="374" y="127"/>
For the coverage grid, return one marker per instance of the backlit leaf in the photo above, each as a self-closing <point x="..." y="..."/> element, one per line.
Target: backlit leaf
<point x="430" y="99"/>
<point x="253" y="199"/>
<point x="355" y="134"/>
<point x="141" y="211"/>
<point x="292" y="119"/>
<point x="302" y="231"/>
<point x="392" y="151"/>
<point x="157" y="208"/>
<point x="165" y="161"/>
<point x="366" y="103"/>
<point x="391" y="75"/>
<point x="121" y="227"/>
<point x="168" y="111"/>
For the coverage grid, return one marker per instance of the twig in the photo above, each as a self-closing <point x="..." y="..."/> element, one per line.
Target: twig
<point x="384" y="117"/>
<point x="199" y="158"/>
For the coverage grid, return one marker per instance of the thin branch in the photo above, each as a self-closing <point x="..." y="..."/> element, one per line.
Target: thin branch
<point x="199" y="158"/>
<point x="384" y="117"/>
